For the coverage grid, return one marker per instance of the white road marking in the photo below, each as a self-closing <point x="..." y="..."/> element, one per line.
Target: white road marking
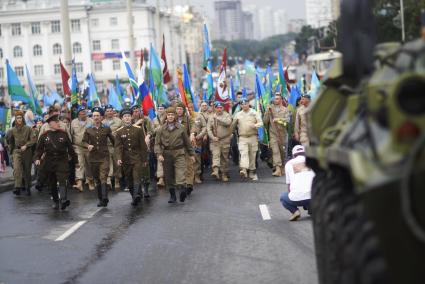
<point x="90" y="214"/>
<point x="70" y="231"/>
<point x="264" y="212"/>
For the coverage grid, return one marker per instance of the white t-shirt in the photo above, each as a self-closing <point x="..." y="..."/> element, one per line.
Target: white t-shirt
<point x="300" y="177"/>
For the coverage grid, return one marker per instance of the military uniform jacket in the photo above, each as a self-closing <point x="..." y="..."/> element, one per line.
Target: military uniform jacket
<point x="45" y="127"/>
<point x="219" y="126"/>
<point x="98" y="137"/>
<point x="245" y="121"/>
<point x="21" y="136"/>
<point x="187" y="123"/>
<point x="158" y="122"/>
<point x="199" y="126"/>
<point x="77" y="130"/>
<point x="130" y="146"/>
<point x="278" y="129"/>
<point x="300" y="127"/>
<point x="56" y="146"/>
<point x="173" y="140"/>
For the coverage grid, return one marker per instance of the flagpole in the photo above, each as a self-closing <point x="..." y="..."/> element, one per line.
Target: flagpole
<point x="66" y="34"/>
<point x="130" y="33"/>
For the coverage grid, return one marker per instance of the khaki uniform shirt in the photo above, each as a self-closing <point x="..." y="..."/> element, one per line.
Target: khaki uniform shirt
<point x="245" y="122"/>
<point x="77" y="130"/>
<point x="21" y="136"/>
<point x="174" y="139"/>
<point x="277" y="129"/>
<point x="301" y="126"/>
<point x="220" y="126"/>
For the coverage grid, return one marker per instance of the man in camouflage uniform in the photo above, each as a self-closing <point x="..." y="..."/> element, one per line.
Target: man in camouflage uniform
<point x="276" y="120"/>
<point x="55" y="148"/>
<point x="96" y="138"/>
<point x="220" y="133"/>
<point x="78" y="127"/>
<point x="145" y="124"/>
<point x="247" y="121"/>
<point x="131" y="153"/>
<point x="158" y="121"/>
<point x="21" y="139"/>
<point x="301" y="123"/>
<point x="171" y="146"/>
<point x="188" y="123"/>
<point x="114" y="170"/>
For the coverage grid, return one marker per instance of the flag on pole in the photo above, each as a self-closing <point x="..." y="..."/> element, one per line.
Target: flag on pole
<point x="74" y="85"/>
<point x="113" y="98"/>
<point x="208" y="63"/>
<point x="232" y="90"/>
<point x="314" y="85"/>
<point x="165" y="72"/>
<point x="33" y="92"/>
<point x="15" y="88"/>
<point x="188" y="89"/>
<point x="131" y="78"/>
<point x="144" y="99"/>
<point x="262" y="137"/>
<point x="119" y="89"/>
<point x="283" y="84"/>
<point x="181" y="87"/>
<point x="156" y="75"/>
<point x="92" y="92"/>
<point x="65" y="79"/>
<point x="222" y="91"/>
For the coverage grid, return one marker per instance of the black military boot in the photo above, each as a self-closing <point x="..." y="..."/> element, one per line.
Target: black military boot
<point x="146" y="191"/>
<point x="105" y="199"/>
<point x="183" y="193"/>
<point x="189" y="189"/>
<point x="17" y="191"/>
<point x="136" y="194"/>
<point x="63" y="197"/>
<point x="55" y="198"/>
<point x="173" y="197"/>
<point x="99" y="195"/>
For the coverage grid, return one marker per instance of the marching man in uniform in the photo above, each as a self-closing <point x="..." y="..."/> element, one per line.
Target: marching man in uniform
<point x="96" y="138"/>
<point x="55" y="147"/>
<point x="171" y="146"/>
<point x="247" y="121"/>
<point x="131" y="153"/>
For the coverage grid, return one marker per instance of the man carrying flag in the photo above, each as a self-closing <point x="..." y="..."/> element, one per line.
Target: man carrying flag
<point x="222" y="93"/>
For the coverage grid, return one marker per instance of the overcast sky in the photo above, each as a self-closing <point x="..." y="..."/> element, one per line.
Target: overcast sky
<point x="295" y="9"/>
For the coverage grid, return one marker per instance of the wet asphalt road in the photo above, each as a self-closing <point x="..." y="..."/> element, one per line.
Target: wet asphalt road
<point x="217" y="236"/>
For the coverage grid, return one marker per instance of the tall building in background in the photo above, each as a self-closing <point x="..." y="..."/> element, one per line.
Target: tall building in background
<point x="319" y="12"/>
<point x="295" y="25"/>
<point x="280" y="22"/>
<point x="248" y="25"/>
<point x="266" y="22"/>
<point x="229" y="20"/>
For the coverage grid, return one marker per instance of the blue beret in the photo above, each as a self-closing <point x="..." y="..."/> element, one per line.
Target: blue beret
<point x="218" y="104"/>
<point x="243" y="101"/>
<point x="125" y="111"/>
<point x="108" y="107"/>
<point x="81" y="108"/>
<point x="97" y="109"/>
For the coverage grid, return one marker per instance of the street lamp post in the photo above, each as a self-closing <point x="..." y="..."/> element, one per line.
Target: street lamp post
<point x="403" y="33"/>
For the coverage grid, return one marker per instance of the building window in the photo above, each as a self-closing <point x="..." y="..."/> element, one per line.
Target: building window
<point x="40" y="88"/>
<point x="98" y="66"/>
<point x="75" y="26"/>
<point x="79" y="67"/>
<point x="57" y="48"/>
<point x="1" y="53"/>
<point x="38" y="70"/>
<point x="94" y="22"/>
<point x="56" y="69"/>
<point x="16" y="29"/>
<point x="116" y="64"/>
<point x="35" y="28"/>
<point x="115" y="44"/>
<point x="36" y="50"/>
<point x="1" y="73"/>
<point x="19" y="70"/>
<point x="113" y="21"/>
<point x="76" y="47"/>
<point x="96" y="45"/>
<point x="56" y="27"/>
<point x="17" y="51"/>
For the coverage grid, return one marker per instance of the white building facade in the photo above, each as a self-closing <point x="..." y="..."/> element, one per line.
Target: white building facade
<point x="319" y="13"/>
<point x="30" y="33"/>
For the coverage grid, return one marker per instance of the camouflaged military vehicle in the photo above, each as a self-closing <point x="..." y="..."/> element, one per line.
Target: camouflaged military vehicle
<point x="367" y="132"/>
